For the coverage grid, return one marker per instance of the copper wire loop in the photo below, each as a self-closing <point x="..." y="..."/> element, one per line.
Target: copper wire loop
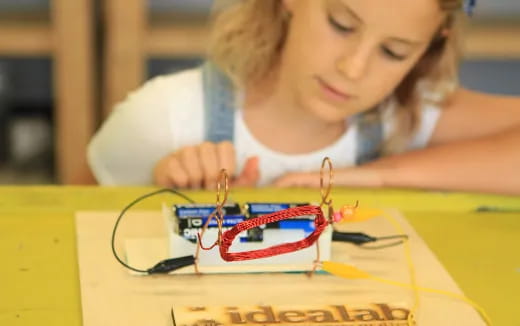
<point x="325" y="200"/>
<point x="223" y="177"/>
<point x="217" y="214"/>
<point x="205" y="227"/>
<point x="325" y="192"/>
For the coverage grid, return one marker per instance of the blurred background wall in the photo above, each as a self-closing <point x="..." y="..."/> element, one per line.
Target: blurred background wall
<point x="132" y="40"/>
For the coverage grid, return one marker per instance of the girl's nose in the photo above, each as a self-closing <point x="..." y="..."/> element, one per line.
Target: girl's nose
<point x="353" y="65"/>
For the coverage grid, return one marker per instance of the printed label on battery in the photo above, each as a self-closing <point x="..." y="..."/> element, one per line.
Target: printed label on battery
<point x="198" y="222"/>
<point x="191" y="234"/>
<point x="203" y="210"/>
<point x="267" y="208"/>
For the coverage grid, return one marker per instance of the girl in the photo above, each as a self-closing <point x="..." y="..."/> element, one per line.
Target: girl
<point x="371" y="84"/>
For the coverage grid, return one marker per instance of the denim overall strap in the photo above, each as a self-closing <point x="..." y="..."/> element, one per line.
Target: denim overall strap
<point x="219" y="104"/>
<point x="369" y="136"/>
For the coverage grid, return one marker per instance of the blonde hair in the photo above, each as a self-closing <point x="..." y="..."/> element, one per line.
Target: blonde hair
<point x="248" y="36"/>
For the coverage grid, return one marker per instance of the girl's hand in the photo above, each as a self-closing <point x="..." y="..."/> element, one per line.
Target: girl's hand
<point x="199" y="167"/>
<point x="351" y="177"/>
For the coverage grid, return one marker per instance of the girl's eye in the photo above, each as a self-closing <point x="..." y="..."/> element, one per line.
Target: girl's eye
<point x="391" y="54"/>
<point x="339" y="27"/>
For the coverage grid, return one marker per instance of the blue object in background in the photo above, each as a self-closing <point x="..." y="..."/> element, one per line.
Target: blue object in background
<point x="493" y="76"/>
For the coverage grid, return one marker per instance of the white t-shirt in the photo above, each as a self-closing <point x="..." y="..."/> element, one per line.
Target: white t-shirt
<point x="167" y="113"/>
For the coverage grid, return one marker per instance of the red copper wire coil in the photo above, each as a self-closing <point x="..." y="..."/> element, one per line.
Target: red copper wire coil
<point x="320" y="223"/>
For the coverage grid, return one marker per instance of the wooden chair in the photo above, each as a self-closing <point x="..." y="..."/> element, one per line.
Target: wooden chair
<point x="131" y="38"/>
<point x="66" y="36"/>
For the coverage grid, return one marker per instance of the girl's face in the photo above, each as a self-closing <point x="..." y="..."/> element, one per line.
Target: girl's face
<point x="342" y="57"/>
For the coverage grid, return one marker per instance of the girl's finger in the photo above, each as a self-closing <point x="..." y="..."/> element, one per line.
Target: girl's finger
<point x="226" y="157"/>
<point x="250" y="175"/>
<point x="175" y="174"/>
<point x="209" y="163"/>
<point x="189" y="158"/>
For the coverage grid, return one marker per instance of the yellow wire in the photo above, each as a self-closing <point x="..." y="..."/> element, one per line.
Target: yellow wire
<point x="411" y="268"/>
<point x="351" y="272"/>
<point x="480" y="310"/>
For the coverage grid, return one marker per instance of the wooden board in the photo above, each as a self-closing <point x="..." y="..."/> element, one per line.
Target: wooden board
<point x="112" y="296"/>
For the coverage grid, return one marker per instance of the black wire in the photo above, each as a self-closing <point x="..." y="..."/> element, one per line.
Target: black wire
<point x="361" y="239"/>
<point x="403" y="238"/>
<point x="130" y="206"/>
<point x="173" y="317"/>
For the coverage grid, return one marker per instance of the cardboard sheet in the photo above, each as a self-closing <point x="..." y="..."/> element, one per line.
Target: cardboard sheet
<point x="112" y="296"/>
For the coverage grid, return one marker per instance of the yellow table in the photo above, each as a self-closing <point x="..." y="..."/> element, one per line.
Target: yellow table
<point x="39" y="281"/>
